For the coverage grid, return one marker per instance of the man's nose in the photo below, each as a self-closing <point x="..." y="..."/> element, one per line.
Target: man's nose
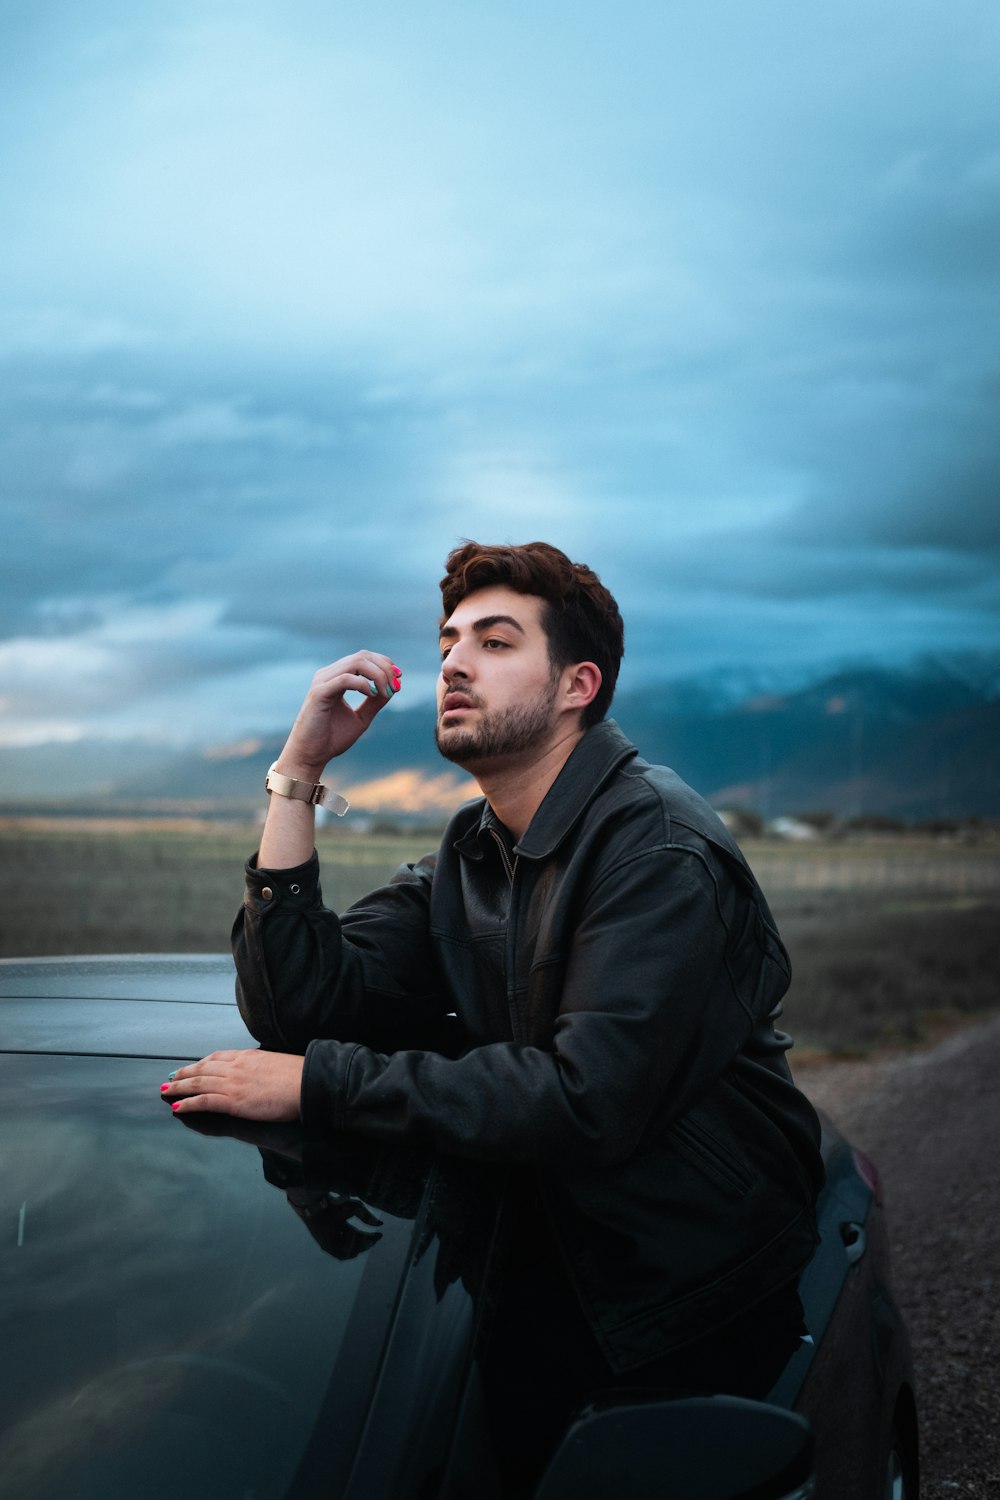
<point x="455" y="664"/>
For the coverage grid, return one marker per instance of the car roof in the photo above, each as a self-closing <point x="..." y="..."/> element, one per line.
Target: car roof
<point x="173" y="1006"/>
<point x="199" y="977"/>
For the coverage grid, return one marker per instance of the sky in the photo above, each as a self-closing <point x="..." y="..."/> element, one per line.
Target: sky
<point x="295" y="298"/>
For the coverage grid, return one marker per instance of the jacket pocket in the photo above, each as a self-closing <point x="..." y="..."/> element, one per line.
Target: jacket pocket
<point x="705" y="1150"/>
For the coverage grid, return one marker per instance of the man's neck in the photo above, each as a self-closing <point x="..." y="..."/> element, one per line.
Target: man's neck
<point x="516" y="792"/>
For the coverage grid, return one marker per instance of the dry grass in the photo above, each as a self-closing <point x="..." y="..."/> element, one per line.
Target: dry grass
<point x="871" y="974"/>
<point x="891" y="941"/>
<point x="146" y="887"/>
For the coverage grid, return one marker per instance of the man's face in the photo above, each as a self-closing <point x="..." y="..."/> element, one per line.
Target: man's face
<point x="496" y="694"/>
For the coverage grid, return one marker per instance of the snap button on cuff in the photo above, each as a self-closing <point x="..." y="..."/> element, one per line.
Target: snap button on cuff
<point x="266" y="893"/>
<point x="295" y="889"/>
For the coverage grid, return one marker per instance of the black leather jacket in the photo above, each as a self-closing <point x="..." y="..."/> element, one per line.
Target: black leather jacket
<point x="597" y="1002"/>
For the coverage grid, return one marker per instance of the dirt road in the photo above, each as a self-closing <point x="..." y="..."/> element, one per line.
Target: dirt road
<point x="931" y="1120"/>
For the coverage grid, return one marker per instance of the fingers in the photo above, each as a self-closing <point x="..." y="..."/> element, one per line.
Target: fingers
<point x="202" y="1085"/>
<point x="253" y="1084"/>
<point x="213" y="1057"/>
<point x="377" y="698"/>
<point x="219" y="1104"/>
<point x="327" y="724"/>
<point x="366" y="672"/>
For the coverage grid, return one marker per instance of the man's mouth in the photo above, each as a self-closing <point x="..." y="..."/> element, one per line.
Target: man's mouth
<point x="453" y="701"/>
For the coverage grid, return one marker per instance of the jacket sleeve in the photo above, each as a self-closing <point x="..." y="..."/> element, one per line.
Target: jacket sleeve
<point x="664" y="983"/>
<point x="302" y="972"/>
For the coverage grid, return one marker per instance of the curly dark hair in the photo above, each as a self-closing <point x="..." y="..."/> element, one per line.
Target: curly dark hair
<point x="580" y="618"/>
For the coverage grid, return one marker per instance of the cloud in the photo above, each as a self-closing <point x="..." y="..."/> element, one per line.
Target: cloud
<point x="65" y="333"/>
<point x="293" y="301"/>
<point x="153" y="671"/>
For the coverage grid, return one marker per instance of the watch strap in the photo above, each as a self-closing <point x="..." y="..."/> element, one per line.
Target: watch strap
<point x="315" y="792"/>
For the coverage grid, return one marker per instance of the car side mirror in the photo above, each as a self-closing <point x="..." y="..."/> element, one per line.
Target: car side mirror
<point x="650" y="1447"/>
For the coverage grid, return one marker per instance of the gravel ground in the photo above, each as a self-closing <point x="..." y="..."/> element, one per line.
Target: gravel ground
<point x="931" y="1120"/>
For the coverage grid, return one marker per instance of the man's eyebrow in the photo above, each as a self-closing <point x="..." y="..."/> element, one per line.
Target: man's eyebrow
<point x="448" y="632"/>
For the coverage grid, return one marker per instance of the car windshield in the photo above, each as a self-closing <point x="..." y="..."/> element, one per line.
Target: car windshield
<point x="174" y="1305"/>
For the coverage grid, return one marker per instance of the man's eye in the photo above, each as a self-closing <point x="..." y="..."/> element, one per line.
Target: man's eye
<point x="493" y="641"/>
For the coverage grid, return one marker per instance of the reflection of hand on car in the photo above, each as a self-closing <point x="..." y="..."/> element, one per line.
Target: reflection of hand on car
<point x="278" y="1137"/>
<point x="328" y="1217"/>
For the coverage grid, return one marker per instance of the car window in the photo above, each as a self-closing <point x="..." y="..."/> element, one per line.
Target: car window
<point x="173" y="1304"/>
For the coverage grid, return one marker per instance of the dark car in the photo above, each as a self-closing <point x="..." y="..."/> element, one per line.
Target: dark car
<point x="210" y="1308"/>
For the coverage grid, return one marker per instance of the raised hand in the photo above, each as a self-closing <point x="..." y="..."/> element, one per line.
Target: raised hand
<point x="325" y="727"/>
<point x="327" y="724"/>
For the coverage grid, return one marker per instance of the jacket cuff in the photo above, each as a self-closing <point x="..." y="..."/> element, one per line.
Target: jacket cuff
<point x="323" y="1100"/>
<point x="297" y="887"/>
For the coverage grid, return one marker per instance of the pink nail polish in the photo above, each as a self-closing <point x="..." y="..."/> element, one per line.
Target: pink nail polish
<point x="176" y="1104"/>
<point x="164" y="1087"/>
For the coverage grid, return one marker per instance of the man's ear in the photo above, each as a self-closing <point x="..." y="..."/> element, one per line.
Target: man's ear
<point x="582" y="683"/>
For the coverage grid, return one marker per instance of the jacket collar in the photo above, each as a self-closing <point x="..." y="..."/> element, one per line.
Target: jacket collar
<point x="594" y="760"/>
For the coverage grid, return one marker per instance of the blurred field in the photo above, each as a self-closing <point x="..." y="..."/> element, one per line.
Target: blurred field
<point x="117" y="886"/>
<point x="892" y="941"/>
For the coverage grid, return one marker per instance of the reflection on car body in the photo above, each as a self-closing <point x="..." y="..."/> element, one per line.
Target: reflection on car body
<point x="233" y="1310"/>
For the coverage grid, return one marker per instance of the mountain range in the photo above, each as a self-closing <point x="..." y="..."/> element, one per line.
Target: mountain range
<point x="919" y="743"/>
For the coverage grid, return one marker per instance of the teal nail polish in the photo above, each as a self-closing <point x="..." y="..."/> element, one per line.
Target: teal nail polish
<point x="171" y="1077"/>
<point x="389" y="690"/>
<point x="373" y="689"/>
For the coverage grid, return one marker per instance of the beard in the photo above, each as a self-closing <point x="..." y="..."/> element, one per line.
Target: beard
<point x="510" y="731"/>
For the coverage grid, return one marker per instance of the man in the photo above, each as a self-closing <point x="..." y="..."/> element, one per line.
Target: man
<point x="583" y="983"/>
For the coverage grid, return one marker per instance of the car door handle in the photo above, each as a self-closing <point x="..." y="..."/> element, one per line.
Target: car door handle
<point x="855" y="1241"/>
